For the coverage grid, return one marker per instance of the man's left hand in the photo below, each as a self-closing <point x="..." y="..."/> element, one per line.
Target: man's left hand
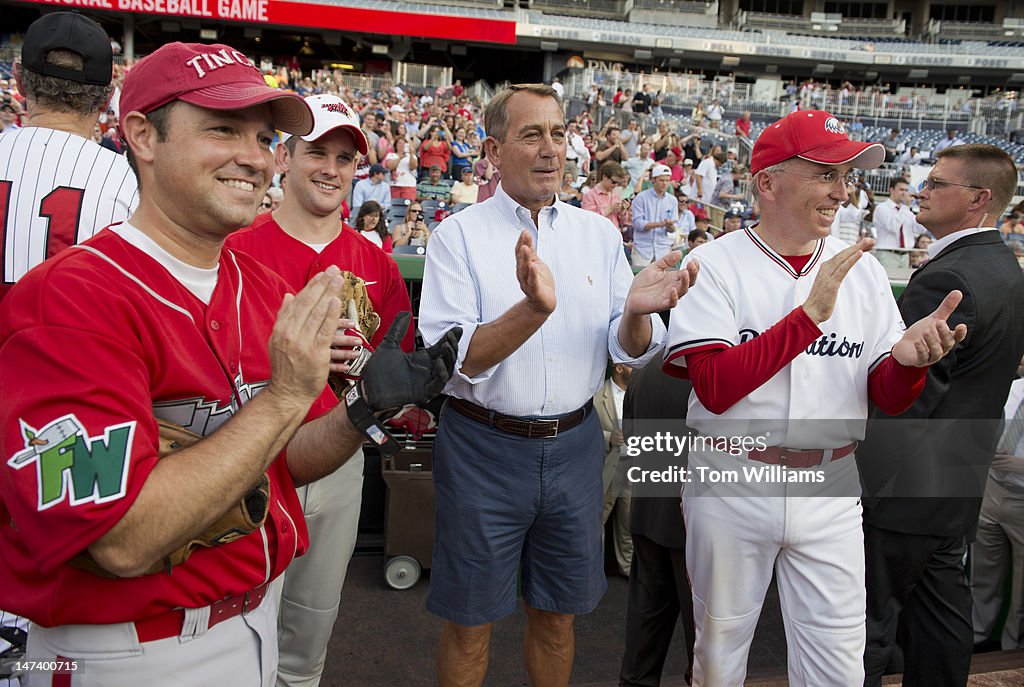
<point x="658" y="287"/>
<point x="930" y="338"/>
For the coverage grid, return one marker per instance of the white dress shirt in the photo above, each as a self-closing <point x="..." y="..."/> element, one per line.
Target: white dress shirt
<point x="890" y="220"/>
<point x="648" y="207"/>
<point x="469" y="279"/>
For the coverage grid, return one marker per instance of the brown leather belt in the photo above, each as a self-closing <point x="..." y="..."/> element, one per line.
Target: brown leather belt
<point x="170" y="624"/>
<point x="800" y="458"/>
<point x="532" y="429"/>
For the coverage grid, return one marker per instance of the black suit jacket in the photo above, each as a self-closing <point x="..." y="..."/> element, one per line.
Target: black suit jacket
<point x="942" y="446"/>
<point x="653" y="395"/>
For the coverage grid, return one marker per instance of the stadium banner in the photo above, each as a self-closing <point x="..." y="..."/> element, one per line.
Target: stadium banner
<point x="315" y="15"/>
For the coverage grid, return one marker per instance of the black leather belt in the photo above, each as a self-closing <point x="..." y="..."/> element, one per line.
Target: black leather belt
<point x="532" y="429"/>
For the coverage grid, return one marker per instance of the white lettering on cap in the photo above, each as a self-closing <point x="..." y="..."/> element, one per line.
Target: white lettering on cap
<point x="216" y="60"/>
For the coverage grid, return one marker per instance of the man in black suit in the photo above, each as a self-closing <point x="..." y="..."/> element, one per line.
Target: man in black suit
<point x="941" y="447"/>
<point x="659" y="591"/>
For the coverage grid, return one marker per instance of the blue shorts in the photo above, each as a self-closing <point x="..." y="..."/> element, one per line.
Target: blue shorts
<point x="507" y="505"/>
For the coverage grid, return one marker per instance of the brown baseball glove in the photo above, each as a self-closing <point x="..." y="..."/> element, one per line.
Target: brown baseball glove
<point x="244" y="517"/>
<point x="353" y="294"/>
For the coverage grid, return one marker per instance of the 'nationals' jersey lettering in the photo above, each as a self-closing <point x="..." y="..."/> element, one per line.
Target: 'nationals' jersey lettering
<point x="62" y="449"/>
<point x="828" y="345"/>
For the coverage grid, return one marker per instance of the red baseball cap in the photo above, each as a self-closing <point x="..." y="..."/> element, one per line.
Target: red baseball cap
<point x="813" y="135"/>
<point x="216" y="77"/>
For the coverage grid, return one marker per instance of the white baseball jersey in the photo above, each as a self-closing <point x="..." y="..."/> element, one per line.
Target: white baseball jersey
<point x="814" y="545"/>
<point x="744" y="288"/>
<point x="56" y="190"/>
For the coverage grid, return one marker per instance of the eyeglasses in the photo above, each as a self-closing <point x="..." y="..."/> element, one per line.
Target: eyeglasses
<point x="931" y="183"/>
<point x="827" y="178"/>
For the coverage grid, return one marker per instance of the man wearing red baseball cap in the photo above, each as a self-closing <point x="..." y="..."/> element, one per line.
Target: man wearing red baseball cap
<point x="783" y="358"/>
<point x="145" y="499"/>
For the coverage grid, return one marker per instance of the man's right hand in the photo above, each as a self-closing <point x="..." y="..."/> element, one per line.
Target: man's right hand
<point x="300" y="345"/>
<point x="534" y="276"/>
<point x="822" y="299"/>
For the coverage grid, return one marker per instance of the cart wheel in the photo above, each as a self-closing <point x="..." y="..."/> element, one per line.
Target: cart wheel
<point x="402" y="572"/>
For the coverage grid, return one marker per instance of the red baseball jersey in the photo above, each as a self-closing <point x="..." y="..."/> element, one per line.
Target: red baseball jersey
<point x="297" y="263"/>
<point x="56" y="189"/>
<point x="93" y="344"/>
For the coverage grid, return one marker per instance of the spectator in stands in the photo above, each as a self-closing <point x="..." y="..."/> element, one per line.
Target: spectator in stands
<point x="465" y="189"/>
<point x="434" y="151"/>
<point x="894" y="223"/>
<point x="726" y="190"/>
<point x="733" y="221"/>
<point x="642" y="100"/>
<point x="686" y="222"/>
<point x="655" y="212"/>
<point x="632" y="137"/>
<point x="663" y="141"/>
<point x="463" y="154"/>
<point x="434" y="188"/>
<point x="847" y="225"/>
<point x="856" y="129"/>
<point x="567" y="192"/>
<point x="697" y="116"/>
<point x="604" y="198"/>
<point x="488" y="177"/>
<point x="612" y="148"/>
<point x="691" y="148"/>
<point x="276" y="194"/>
<point x="715" y="114"/>
<point x="402" y="164"/>
<point x="951" y="139"/>
<point x="373" y="187"/>
<point x="572" y="135"/>
<point x="617" y="98"/>
<point x="688" y="184"/>
<point x="912" y="156"/>
<point x="1011" y="226"/>
<point x="707" y="176"/>
<point x="919" y="256"/>
<point x="696" y="237"/>
<point x="413" y="230"/>
<point x="267" y="204"/>
<point x="638" y="164"/>
<point x="743" y="125"/>
<point x="371" y="224"/>
<point x="703" y="223"/>
<point x="9" y="114"/>
<point x="891" y="143"/>
<point x="673" y="163"/>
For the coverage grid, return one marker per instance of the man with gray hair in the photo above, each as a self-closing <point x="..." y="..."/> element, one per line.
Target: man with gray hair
<point x="61" y="186"/>
<point x="519" y="450"/>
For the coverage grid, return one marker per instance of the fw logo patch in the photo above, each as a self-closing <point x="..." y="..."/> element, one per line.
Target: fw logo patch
<point x="69" y="461"/>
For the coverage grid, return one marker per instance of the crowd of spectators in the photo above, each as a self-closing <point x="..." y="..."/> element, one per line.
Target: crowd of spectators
<point x="426" y="145"/>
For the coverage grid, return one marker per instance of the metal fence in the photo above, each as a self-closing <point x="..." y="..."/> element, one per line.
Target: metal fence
<point x="1000" y="113"/>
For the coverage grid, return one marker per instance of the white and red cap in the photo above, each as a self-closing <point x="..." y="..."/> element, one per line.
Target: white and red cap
<point x="216" y="77"/>
<point x="660" y="171"/>
<point x="331" y="112"/>
<point x="813" y="135"/>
